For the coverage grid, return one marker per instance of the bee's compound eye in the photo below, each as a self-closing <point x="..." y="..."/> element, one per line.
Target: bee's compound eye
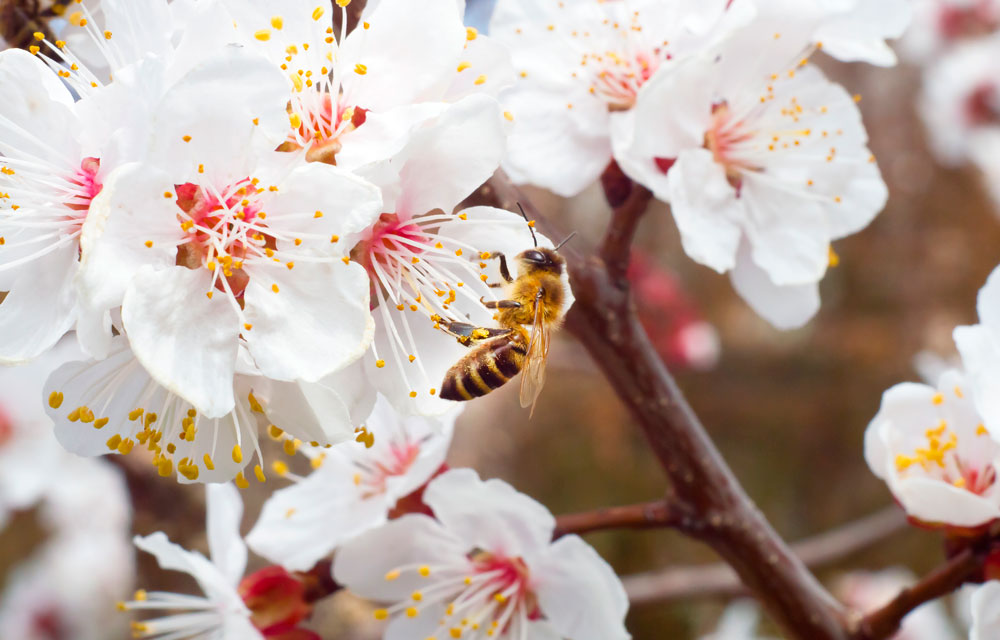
<point x="534" y="256"/>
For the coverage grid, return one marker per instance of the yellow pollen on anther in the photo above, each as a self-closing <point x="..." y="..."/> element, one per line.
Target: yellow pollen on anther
<point x="471" y="33"/>
<point x="392" y="575"/>
<point x="167" y="194"/>
<point x="462" y="66"/>
<point x="241" y="481"/>
<point x="208" y="462"/>
<point x="412" y="612"/>
<point x="417" y="596"/>
<point x="381" y="614"/>
<point x="279" y="467"/>
<point x="274" y="288"/>
<point x="938" y="399"/>
<point x="55" y="399"/>
<point x="425" y="571"/>
<point x="39" y="36"/>
<point x="237" y="454"/>
<point x="263" y="35"/>
<point x="480" y="80"/>
<point x="509" y="116"/>
<point x="413" y="394"/>
<point x="360" y="69"/>
<point x="257" y="471"/>
<point x="295" y="120"/>
<point x="149" y="244"/>
<point x="380" y="363"/>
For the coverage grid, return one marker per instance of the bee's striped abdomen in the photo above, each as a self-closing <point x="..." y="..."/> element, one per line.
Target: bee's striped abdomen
<point x="487" y="367"/>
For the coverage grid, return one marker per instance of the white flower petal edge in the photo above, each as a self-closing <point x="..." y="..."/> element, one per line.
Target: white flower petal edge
<point x="487" y="568"/>
<point x="352" y="489"/>
<point x="979" y="346"/>
<point x="986" y="611"/>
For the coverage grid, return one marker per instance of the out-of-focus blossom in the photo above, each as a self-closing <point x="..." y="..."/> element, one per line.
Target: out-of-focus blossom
<point x="738" y="622"/>
<point x="582" y="68"/>
<point x="941" y="24"/>
<point x="979" y="346"/>
<point x="866" y="591"/>
<point x="113" y="405"/>
<point x="220" y="613"/>
<point x="66" y="589"/>
<point x="681" y="336"/>
<point x="763" y="160"/>
<point x="985" y="602"/>
<point x="353" y="489"/>
<point x="485" y="567"/>
<point x="960" y="99"/>
<point x="930" y="446"/>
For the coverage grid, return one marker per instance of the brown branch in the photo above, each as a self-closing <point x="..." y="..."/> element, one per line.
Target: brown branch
<point x="720" y="580"/>
<point x="616" y="249"/>
<point x="714" y="507"/>
<point x="648" y="515"/>
<point x="884" y="622"/>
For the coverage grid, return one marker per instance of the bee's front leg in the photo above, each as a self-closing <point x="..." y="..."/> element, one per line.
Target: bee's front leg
<point x="500" y="304"/>
<point x="504" y="271"/>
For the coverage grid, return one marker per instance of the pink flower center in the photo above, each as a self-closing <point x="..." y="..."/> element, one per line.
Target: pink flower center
<point x="6" y="428"/>
<point x="315" y="128"/>
<point x="982" y="106"/>
<point x="88" y="188"/>
<point x="723" y="138"/>
<point x="940" y="459"/>
<point x="617" y="78"/>
<point x="392" y="244"/>
<point x="393" y="462"/>
<point x="966" y="22"/>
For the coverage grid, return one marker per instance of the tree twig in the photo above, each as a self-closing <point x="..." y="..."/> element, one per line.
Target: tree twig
<point x="720" y="580"/>
<point x="648" y="515"/>
<point x="884" y="622"/>
<point x="714" y="507"/>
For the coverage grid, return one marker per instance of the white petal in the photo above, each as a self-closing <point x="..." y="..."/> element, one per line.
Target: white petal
<point x="40" y="306"/>
<point x="451" y="158"/>
<point x="554" y="146"/>
<point x="314" y="411"/>
<point x="579" y="592"/>
<point x="302" y="523"/>
<point x="932" y="500"/>
<point x="787" y="307"/>
<point x="425" y="625"/>
<point x="316" y="324"/>
<point x="39" y="115"/>
<point x="859" y="34"/>
<point x="224" y="511"/>
<point x="186" y="341"/>
<point x="706" y="209"/>
<point x="988" y="302"/>
<point x="413" y="540"/>
<point x="985" y="611"/>
<point x="491" y="515"/>
<point x="173" y="557"/>
<point x="406" y="50"/>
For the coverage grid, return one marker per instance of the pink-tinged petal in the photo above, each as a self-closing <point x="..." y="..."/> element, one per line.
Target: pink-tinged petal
<point x="904" y="403"/>
<point x="706" y="209"/>
<point x="491" y="515"/>
<point x="363" y="564"/>
<point x="578" y="591"/>
<point x="934" y="501"/>
<point x="185" y="340"/>
<point x="449" y="159"/>
<point x="785" y="307"/>
<point x="301" y="524"/>
<point x="224" y="508"/>
<point x="407" y="49"/>
<point x="40" y="306"/>
<point x="554" y="145"/>
<point x="318" y="321"/>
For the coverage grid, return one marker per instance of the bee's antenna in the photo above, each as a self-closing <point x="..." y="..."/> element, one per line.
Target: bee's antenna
<point x="531" y="224"/>
<point x="565" y="240"/>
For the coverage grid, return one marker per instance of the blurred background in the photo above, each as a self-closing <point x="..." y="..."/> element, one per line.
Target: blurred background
<point x="787" y="410"/>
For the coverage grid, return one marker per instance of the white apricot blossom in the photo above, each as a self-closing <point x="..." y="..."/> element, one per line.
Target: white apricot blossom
<point x="939" y="25"/>
<point x="979" y="346"/>
<point x="353" y="488"/>
<point x="114" y="405"/>
<point x="582" y="66"/>
<point x="985" y="603"/>
<point x="220" y="613"/>
<point x="763" y="161"/>
<point x="931" y="447"/>
<point x="484" y="566"/>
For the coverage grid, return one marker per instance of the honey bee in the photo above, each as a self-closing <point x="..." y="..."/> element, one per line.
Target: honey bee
<point x="536" y="297"/>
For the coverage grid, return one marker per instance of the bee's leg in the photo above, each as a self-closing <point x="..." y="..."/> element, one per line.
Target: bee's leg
<point x="504" y="271"/>
<point x="469" y="334"/>
<point x="500" y="304"/>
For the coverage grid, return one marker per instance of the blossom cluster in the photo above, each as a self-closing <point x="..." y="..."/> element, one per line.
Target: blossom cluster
<point x="249" y="218"/>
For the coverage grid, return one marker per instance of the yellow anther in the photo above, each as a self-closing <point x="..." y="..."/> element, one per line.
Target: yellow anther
<point x="392" y="575"/>
<point x="295" y="120"/>
<point x="126" y="446"/>
<point x="381" y="614"/>
<point x="55" y="399"/>
<point x="149" y="244"/>
<point x="412" y="612"/>
<point x="938" y="398"/>
<point x="318" y="12"/>
<point x="501" y="598"/>
<point x="480" y="80"/>
<point x="380" y="363"/>
<point x="165" y="467"/>
<point x="317" y="462"/>
<point x="274" y="431"/>
<point x="168" y="195"/>
<point x="344" y="3"/>
<point x="981" y="430"/>
<point x="277" y="22"/>
<point x="259" y="472"/>
<point x="263" y="35"/>
<point x="241" y="481"/>
<point x="99" y="423"/>
<point x="832" y="258"/>
<point x="959" y="483"/>
<point x="208" y="462"/>
<point x="471" y="33"/>
<point x="279" y="467"/>
<point x="34" y="49"/>
<point x="114" y="441"/>
<point x="140" y="595"/>
<point x="74" y="415"/>
<point x="462" y="66"/>
<point x="360" y="69"/>
<point x="290" y="447"/>
<point x="413" y="394"/>
<point x="425" y="571"/>
<point x="455" y="632"/>
<point x="509" y="116"/>
<point x="417" y="596"/>
<point x="107" y="35"/>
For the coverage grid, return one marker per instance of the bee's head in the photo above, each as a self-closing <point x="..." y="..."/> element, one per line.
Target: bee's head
<point x="540" y="259"/>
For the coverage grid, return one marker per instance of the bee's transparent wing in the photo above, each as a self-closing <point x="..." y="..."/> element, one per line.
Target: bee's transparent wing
<point x="533" y="374"/>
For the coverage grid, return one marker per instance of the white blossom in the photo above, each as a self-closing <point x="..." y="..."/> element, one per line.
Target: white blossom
<point x="485" y="567"/>
<point x="979" y="346"/>
<point x="220" y="614"/>
<point x="353" y="488"/>
<point x="931" y="447"/>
